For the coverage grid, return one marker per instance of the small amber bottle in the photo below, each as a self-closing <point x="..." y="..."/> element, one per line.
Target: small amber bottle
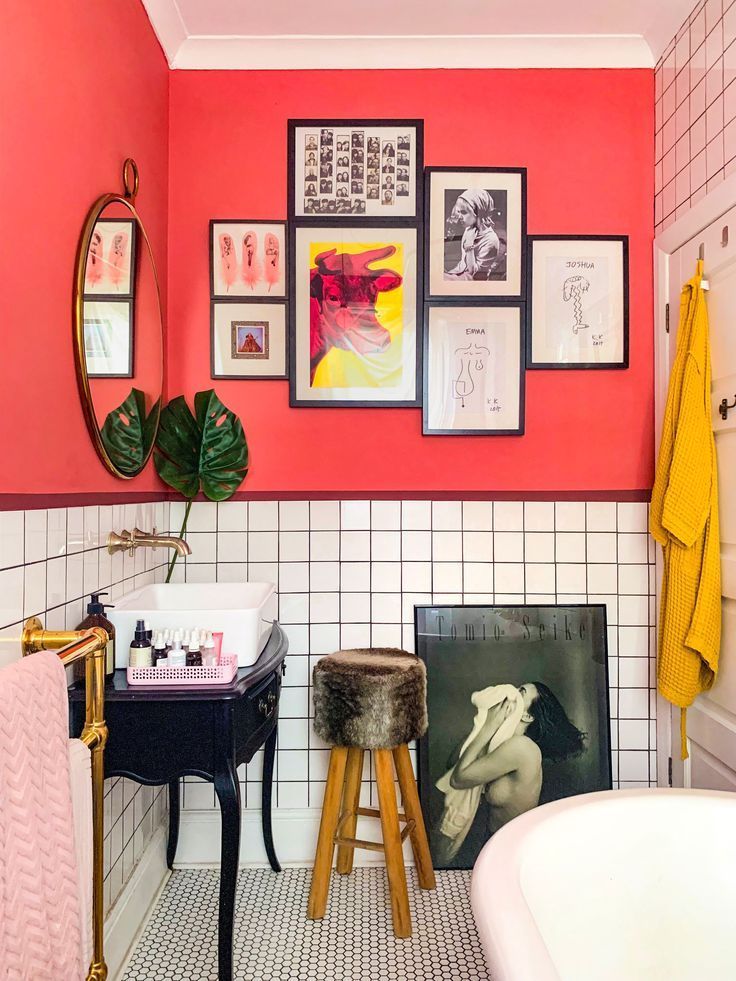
<point x="96" y="618"/>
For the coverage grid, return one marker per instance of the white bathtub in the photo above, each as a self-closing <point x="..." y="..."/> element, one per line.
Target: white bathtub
<point x="630" y="885"/>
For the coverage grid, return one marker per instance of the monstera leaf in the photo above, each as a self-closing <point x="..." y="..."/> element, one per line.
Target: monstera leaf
<point x="127" y="432"/>
<point x="206" y="451"/>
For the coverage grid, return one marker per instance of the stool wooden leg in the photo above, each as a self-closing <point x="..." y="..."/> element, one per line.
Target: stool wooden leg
<point x="392" y="843"/>
<point x="413" y="810"/>
<point x="327" y="826"/>
<point x="350" y="802"/>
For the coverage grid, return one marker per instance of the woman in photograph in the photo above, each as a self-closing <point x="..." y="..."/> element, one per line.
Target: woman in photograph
<point x="480" y="246"/>
<point x="502" y="760"/>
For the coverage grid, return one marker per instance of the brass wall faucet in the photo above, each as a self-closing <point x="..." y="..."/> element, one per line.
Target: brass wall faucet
<point x="131" y="540"/>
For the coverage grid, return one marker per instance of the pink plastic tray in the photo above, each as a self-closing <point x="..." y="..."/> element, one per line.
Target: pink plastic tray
<point x="195" y="677"/>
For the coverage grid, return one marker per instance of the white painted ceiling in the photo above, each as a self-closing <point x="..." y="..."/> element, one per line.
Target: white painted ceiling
<point x="415" y="33"/>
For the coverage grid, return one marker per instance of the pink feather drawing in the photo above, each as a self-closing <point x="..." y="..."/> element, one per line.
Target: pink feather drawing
<point x="273" y="260"/>
<point x="95" y="269"/>
<point x="117" y="262"/>
<point x="251" y="263"/>
<point x="228" y="262"/>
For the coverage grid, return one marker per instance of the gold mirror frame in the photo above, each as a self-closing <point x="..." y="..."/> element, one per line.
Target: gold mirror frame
<point x="127" y="199"/>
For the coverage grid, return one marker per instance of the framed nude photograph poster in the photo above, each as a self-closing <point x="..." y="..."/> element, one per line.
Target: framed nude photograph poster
<point x="473" y="382"/>
<point x="359" y="168"/>
<point x="475" y="228"/>
<point x="355" y="336"/>
<point x="509" y="689"/>
<point x="578" y="301"/>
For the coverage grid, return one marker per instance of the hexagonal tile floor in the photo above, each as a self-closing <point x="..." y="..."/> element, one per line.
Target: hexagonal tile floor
<point x="274" y="941"/>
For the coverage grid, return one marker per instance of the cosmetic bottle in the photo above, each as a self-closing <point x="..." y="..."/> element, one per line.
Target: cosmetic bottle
<point x="187" y="640"/>
<point x="160" y="653"/>
<point x="149" y="632"/>
<point x="209" y="654"/>
<point x="140" y="648"/>
<point x="96" y="618"/>
<point x="177" y="656"/>
<point x="194" y="656"/>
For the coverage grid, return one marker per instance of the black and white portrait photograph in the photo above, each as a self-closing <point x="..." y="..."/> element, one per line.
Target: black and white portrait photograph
<point x="517" y="698"/>
<point x="328" y="149"/>
<point x="476" y="232"/>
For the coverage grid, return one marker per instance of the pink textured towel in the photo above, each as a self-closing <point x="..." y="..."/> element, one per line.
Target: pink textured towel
<point x="40" y="935"/>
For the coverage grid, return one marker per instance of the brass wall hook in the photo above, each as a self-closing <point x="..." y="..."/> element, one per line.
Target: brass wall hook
<point x="724" y="407"/>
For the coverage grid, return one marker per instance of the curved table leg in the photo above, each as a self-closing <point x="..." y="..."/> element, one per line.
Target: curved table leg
<point x="173" y="822"/>
<point x="269" y="755"/>
<point x="227" y="789"/>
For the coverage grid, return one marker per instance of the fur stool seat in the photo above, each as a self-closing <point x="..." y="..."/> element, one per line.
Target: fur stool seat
<point x="370" y="699"/>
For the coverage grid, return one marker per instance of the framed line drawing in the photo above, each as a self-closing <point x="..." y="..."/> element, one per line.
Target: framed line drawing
<point x="532" y="682"/>
<point x="473" y="377"/>
<point x="578" y="301"/>
<point x="475" y="228"/>
<point x="355" y="331"/>
<point x="247" y="258"/>
<point x="355" y="168"/>
<point x="111" y="258"/>
<point x="247" y="339"/>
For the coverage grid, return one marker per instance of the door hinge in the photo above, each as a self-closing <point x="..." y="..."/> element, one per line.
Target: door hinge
<point x="669" y="771"/>
<point x="667" y="317"/>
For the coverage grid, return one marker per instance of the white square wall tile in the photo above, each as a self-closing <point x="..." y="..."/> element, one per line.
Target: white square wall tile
<point x="293" y="577"/>
<point x="602" y="578"/>
<point x="34" y="589"/>
<point x="324" y="546"/>
<point x="539" y="546"/>
<point x="202" y="516"/>
<point x="416" y="515"/>
<point x="477" y="515"/>
<point x="632" y="516"/>
<point x="601" y="546"/>
<point x="355" y="515"/>
<point x="324" y="638"/>
<point x="263" y="546"/>
<point x="56" y="531"/>
<point x="12" y="538"/>
<point x="386" y="608"/>
<point x="355" y="577"/>
<point x="232" y="572"/>
<point x="633" y="548"/>
<point x="232" y="546"/>
<point x="447" y="546"/>
<point x="293" y="515"/>
<point x="35" y="536"/>
<point x="324" y="515"/>
<point x="354" y="635"/>
<point x="324" y="607"/>
<point x="233" y="516"/>
<point x="203" y="546"/>
<point x="324" y="577"/>
<point x="416" y="576"/>
<point x="411" y="600"/>
<point x="293" y="546"/>
<point x="508" y="516"/>
<point x="569" y="516"/>
<point x="294" y="608"/>
<point x="633" y="580"/>
<point x="386" y="577"/>
<point x="385" y="515"/>
<point x="355" y="546"/>
<point x="633" y="610"/>
<point x="478" y="577"/>
<point x="386" y="546"/>
<point x="447" y="515"/>
<point x="571" y="578"/>
<point x="508" y="546"/>
<point x="416" y="546"/>
<point x="508" y="577"/>
<point x="447" y="577"/>
<point x="355" y="607"/>
<point x="539" y="516"/>
<point x="477" y="546"/>
<point x="386" y="635"/>
<point x="540" y="577"/>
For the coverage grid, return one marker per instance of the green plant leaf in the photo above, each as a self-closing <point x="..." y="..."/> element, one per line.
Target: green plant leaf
<point x="208" y="450"/>
<point x="127" y="433"/>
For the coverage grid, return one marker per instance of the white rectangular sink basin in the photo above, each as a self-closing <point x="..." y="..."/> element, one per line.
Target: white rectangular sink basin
<point x="244" y="612"/>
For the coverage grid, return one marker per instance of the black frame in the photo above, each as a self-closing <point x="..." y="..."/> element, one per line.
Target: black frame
<point x="482" y="299"/>
<point x="458" y="305"/>
<point x="130" y="294"/>
<point x="416" y="218"/>
<point x="240" y="301"/>
<point x="423" y="779"/>
<point x="295" y="402"/>
<point x="578" y="365"/>
<point x="130" y="302"/>
<point x="255" y="222"/>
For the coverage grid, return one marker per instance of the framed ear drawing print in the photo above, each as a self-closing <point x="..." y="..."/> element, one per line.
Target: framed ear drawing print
<point x="578" y="305"/>
<point x="248" y="259"/>
<point x="475" y="232"/>
<point x="359" y="168"/>
<point x="354" y="335"/>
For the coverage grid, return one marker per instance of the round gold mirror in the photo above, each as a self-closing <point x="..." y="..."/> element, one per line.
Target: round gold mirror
<point x="118" y="331"/>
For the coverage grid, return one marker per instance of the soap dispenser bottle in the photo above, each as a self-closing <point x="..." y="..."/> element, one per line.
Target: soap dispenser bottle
<point x="96" y="618"/>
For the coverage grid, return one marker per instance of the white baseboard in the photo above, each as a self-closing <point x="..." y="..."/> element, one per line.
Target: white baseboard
<point x="130" y="912"/>
<point x="294" y="835"/>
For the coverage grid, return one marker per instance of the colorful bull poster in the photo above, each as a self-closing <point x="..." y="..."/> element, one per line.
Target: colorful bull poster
<point x="368" y="169"/>
<point x="354" y="336"/>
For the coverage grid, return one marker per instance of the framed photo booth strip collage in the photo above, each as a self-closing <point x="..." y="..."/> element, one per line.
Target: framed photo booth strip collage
<point x="396" y="285"/>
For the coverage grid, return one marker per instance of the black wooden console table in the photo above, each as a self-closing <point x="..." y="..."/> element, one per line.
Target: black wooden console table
<point x="159" y="735"/>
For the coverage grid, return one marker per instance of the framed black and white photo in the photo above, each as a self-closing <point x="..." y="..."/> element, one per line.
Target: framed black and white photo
<point x="247" y="258"/>
<point x="578" y="301"/>
<point x="355" y="168"/>
<point x="473" y="381"/>
<point x="355" y="331"/>
<point x="108" y="337"/>
<point x="248" y="339"/>
<point x="475" y="226"/>
<point x="518" y="706"/>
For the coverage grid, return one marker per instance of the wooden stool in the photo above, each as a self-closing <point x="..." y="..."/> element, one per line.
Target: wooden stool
<point x="370" y="700"/>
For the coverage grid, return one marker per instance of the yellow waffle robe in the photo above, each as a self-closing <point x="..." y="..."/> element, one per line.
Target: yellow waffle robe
<point x="684" y="516"/>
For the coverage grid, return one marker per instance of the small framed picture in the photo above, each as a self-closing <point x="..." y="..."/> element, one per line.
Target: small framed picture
<point x="108" y="338"/>
<point x="110" y="268"/>
<point x="248" y="339"/>
<point x="578" y="301"/>
<point x="473" y="369"/>
<point x="475" y="232"/>
<point x="355" y="168"/>
<point x="247" y="258"/>
<point x="355" y="337"/>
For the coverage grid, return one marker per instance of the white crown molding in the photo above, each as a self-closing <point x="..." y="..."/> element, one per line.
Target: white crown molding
<point x="458" y="51"/>
<point x="168" y="26"/>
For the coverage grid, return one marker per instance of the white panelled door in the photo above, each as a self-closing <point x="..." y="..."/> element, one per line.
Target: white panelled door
<point x="711" y="722"/>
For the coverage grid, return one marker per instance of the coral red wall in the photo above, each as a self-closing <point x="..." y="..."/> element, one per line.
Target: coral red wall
<point x="586" y="139"/>
<point x="82" y="86"/>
